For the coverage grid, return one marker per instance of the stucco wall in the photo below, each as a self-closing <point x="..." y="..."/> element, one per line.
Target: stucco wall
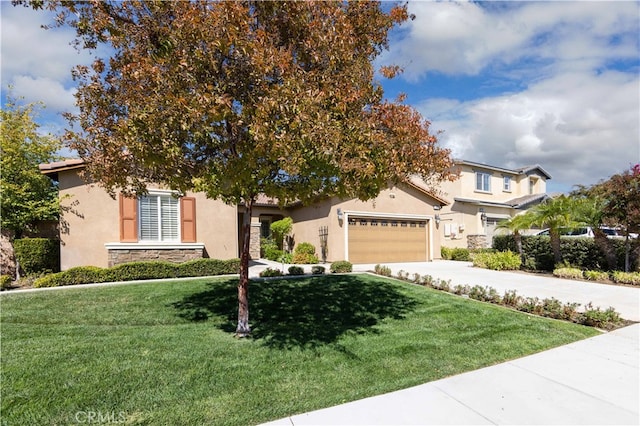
<point x="401" y="201"/>
<point x="90" y="219"/>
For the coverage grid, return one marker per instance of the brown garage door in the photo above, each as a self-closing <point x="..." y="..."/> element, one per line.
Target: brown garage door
<point x="373" y="240"/>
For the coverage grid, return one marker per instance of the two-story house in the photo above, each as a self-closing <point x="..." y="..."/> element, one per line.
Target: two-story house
<point x="483" y="196"/>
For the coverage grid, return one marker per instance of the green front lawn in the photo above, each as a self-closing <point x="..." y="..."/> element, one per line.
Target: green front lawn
<point x="163" y="353"/>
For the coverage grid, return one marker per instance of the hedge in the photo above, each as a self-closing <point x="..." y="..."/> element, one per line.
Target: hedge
<point x="37" y="255"/>
<point x="341" y="266"/>
<point x="581" y="253"/>
<point x="139" y="271"/>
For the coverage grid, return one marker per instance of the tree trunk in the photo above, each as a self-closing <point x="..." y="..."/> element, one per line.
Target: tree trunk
<point x="243" y="329"/>
<point x="518" y="239"/>
<point x="555" y="246"/>
<point x="604" y="244"/>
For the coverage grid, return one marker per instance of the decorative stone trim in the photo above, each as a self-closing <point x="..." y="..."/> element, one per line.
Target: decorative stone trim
<point x="254" y="242"/>
<point x="476" y="241"/>
<point x="176" y="253"/>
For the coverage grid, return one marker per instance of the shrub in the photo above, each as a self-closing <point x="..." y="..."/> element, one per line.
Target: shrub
<point x="341" y="266"/>
<point x="626" y="277"/>
<point x="273" y="253"/>
<point x="402" y="275"/>
<point x="280" y="229"/>
<point x="271" y="272"/>
<point x="285" y="258"/>
<point x="427" y="280"/>
<point x="566" y="272"/>
<point x="141" y="271"/>
<point x="444" y="285"/>
<point x="461" y="254"/>
<point x="498" y="261"/>
<point x="296" y="270"/>
<point x="304" y="258"/>
<point x="461" y="289"/>
<point x="484" y="294"/>
<point x="417" y="278"/>
<point x="77" y="275"/>
<point x="445" y="253"/>
<point x="595" y="276"/>
<point x="531" y="305"/>
<point x="37" y="255"/>
<point x="511" y="298"/>
<point x="595" y="317"/>
<point x="208" y="267"/>
<point x="317" y="270"/>
<point x="5" y="281"/>
<point x="553" y="308"/>
<point x="304" y="253"/>
<point x="382" y="270"/>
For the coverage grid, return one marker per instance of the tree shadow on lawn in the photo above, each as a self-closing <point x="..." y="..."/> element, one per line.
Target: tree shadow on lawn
<point x="305" y="313"/>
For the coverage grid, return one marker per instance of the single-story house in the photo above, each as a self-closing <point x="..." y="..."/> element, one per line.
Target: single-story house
<point x="95" y="229"/>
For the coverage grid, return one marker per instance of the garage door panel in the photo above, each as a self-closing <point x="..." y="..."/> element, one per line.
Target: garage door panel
<point x="387" y="240"/>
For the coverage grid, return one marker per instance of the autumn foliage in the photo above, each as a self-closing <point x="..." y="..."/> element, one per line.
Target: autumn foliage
<point x="237" y="99"/>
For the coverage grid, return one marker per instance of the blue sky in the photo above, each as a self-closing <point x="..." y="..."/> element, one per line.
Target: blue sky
<point x="508" y="83"/>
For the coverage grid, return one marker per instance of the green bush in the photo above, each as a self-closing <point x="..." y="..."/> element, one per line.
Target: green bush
<point x="511" y="298"/>
<point x="461" y="254"/>
<point x="208" y="267"/>
<point x="73" y="276"/>
<point x="296" y="270"/>
<point x="285" y="258"/>
<point x="37" y="255"/>
<point x="317" y="270"/>
<point x="595" y="275"/>
<point x="269" y="249"/>
<point x="626" y="277"/>
<point x="583" y="253"/>
<point x="595" y="317"/>
<point x="5" y="281"/>
<point x="142" y="271"/>
<point x="498" y="261"/>
<point x="280" y="229"/>
<point x="271" y="272"/>
<point x="382" y="270"/>
<point x="304" y="248"/>
<point x="566" y="272"/>
<point x="304" y="258"/>
<point x="445" y="253"/>
<point x="484" y="294"/>
<point x="341" y="266"/>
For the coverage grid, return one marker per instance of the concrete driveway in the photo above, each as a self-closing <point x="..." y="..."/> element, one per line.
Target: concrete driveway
<point x="625" y="300"/>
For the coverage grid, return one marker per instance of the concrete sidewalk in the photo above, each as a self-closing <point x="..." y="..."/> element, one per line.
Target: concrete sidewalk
<point x="594" y="381"/>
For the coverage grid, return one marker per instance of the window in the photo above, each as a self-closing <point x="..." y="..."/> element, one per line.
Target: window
<point x="506" y="183"/>
<point x="483" y="182"/>
<point x="158" y="218"/>
<point x="532" y="185"/>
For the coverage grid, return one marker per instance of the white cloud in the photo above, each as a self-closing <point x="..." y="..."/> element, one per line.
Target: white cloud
<point x="580" y="127"/>
<point x="465" y="38"/>
<point x="38" y="62"/>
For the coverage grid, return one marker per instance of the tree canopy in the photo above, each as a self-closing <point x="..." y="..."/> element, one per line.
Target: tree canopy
<point x="27" y="195"/>
<point x="237" y="99"/>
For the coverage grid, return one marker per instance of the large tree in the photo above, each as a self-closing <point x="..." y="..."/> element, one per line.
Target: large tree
<point x="27" y="196"/>
<point x="236" y="99"/>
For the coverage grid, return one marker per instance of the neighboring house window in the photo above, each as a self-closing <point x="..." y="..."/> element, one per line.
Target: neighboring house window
<point x="506" y="183"/>
<point x="483" y="182"/>
<point x="157" y="218"/>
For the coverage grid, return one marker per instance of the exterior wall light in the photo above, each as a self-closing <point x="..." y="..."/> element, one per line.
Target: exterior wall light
<point x="340" y="214"/>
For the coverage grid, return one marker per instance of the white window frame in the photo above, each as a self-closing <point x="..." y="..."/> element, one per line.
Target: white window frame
<point x="159" y="195"/>
<point x="506" y="183"/>
<point x="482" y="180"/>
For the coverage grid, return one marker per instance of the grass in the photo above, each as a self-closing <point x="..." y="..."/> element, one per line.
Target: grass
<point x="163" y="353"/>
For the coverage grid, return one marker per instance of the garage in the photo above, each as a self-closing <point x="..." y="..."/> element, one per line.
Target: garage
<point x="378" y="240"/>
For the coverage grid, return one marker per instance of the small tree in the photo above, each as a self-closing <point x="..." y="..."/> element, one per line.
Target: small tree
<point x="516" y="225"/>
<point x="555" y="214"/>
<point x="238" y="99"/>
<point x="280" y="229"/>
<point x="27" y="195"/>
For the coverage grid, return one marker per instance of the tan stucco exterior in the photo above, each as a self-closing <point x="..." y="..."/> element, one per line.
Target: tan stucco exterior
<point x="396" y="202"/>
<point x="462" y="217"/>
<point x="90" y="220"/>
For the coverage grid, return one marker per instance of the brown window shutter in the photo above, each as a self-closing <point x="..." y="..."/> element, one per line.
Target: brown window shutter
<point x="128" y="219"/>
<point x="188" y="219"/>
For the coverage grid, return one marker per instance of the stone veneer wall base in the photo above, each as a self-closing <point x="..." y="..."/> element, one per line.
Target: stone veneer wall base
<point x="118" y="256"/>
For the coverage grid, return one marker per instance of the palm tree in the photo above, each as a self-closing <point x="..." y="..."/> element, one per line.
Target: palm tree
<point x="555" y="213"/>
<point x="516" y="225"/>
<point x="590" y="211"/>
